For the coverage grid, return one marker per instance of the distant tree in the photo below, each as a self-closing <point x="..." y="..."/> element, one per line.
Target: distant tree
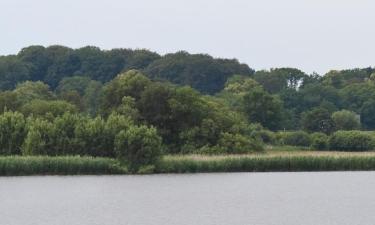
<point x="346" y="120"/>
<point x="368" y="114"/>
<point x="199" y="71"/>
<point x="263" y="108"/>
<point x="318" y="120"/>
<point x="9" y="101"/>
<point x="279" y="79"/>
<point x="29" y="90"/>
<point x="131" y="83"/>
<point x="45" y="108"/>
<point x="13" y="71"/>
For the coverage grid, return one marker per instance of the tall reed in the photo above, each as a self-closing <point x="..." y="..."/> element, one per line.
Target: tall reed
<point x="64" y="165"/>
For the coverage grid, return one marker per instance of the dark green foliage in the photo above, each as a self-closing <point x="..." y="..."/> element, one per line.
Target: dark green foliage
<point x="319" y="141"/>
<point x="318" y="120"/>
<point x="295" y="138"/>
<point x="368" y="114"/>
<point x="138" y="146"/>
<point x="263" y="108"/>
<point x="351" y="141"/>
<point x="13" y="71"/>
<point x="202" y="72"/>
<point x="279" y="79"/>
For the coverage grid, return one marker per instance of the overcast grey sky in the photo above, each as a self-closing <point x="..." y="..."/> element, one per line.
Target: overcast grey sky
<point x="313" y="35"/>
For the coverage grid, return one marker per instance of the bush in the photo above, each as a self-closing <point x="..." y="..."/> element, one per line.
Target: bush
<point x="295" y="138"/>
<point x="238" y="144"/>
<point x="319" y="141"/>
<point x="351" y="141"/>
<point x="267" y="136"/>
<point x="138" y="146"/>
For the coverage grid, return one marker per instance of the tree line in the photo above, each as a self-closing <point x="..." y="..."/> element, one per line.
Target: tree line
<point x="57" y="100"/>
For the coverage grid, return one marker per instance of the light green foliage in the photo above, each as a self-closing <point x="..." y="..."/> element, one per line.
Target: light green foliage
<point x="319" y="141"/>
<point x="128" y="108"/>
<point x="351" y="141"/>
<point x="238" y="144"/>
<point x="92" y="138"/>
<point x="138" y="146"/>
<point x="40" y="139"/>
<point x="29" y="90"/>
<point x="346" y="120"/>
<point x="44" y="108"/>
<point x="12" y="133"/>
<point x="131" y="83"/>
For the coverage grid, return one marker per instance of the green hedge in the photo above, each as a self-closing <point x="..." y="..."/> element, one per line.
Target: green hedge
<point x="294" y="138"/>
<point x="351" y="141"/>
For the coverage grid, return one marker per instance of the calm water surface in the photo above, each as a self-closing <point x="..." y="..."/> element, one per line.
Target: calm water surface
<point x="342" y="198"/>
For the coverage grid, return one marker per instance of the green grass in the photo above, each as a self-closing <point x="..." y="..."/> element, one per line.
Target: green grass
<point x="64" y="165"/>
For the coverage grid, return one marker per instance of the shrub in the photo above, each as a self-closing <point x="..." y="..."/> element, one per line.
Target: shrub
<point x="138" y="146"/>
<point x="351" y="141"/>
<point x="295" y="138"/>
<point x="12" y="132"/>
<point x="238" y="144"/>
<point x="319" y="141"/>
<point x="267" y="136"/>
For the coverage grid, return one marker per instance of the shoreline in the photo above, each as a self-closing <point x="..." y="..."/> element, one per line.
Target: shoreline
<point x="272" y="161"/>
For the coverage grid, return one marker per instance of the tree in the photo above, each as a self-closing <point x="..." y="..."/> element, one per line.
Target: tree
<point x="45" y="108"/>
<point x="318" y="120"/>
<point x="13" y="71"/>
<point x="29" y="90"/>
<point x="12" y="133"/>
<point x="138" y="146"/>
<point x="40" y="139"/>
<point x="131" y="83"/>
<point x="346" y="120"/>
<point x="202" y="72"/>
<point x="368" y="114"/>
<point x="279" y="79"/>
<point x="263" y="108"/>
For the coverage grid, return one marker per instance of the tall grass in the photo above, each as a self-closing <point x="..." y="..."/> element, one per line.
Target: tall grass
<point x="266" y="164"/>
<point x="64" y="165"/>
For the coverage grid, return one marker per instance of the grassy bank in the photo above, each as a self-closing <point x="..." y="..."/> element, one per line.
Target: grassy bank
<point x="271" y="160"/>
<point x="67" y="165"/>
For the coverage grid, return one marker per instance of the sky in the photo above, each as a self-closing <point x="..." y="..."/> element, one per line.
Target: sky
<point x="312" y="35"/>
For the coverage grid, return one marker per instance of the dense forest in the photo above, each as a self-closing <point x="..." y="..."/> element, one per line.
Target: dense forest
<point x="131" y="103"/>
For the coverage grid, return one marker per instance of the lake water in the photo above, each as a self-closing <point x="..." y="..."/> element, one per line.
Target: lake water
<point x="342" y="198"/>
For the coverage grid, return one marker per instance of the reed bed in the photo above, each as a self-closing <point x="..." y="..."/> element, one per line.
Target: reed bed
<point x="271" y="162"/>
<point x="61" y="165"/>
